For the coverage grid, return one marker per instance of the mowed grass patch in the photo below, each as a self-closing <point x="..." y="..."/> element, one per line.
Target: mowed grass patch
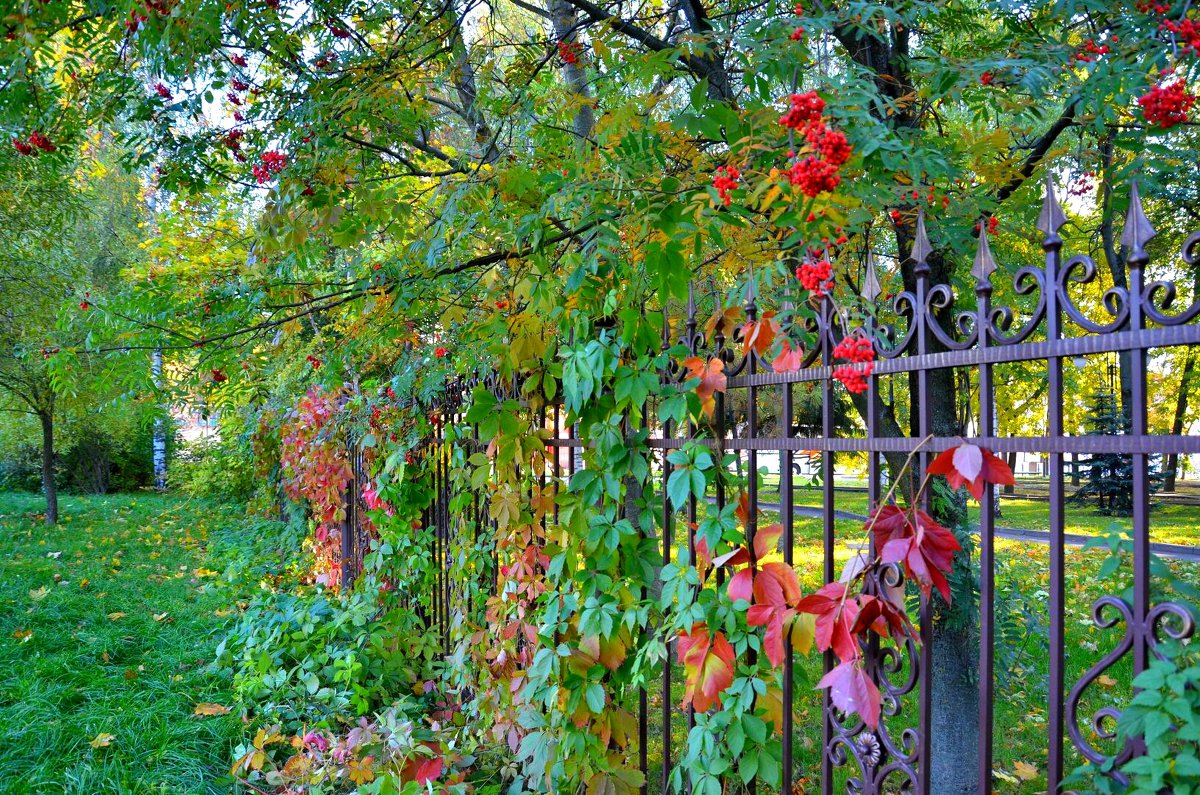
<point x="106" y="625"/>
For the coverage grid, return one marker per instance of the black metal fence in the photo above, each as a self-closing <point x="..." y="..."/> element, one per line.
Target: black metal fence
<point x="1052" y="329"/>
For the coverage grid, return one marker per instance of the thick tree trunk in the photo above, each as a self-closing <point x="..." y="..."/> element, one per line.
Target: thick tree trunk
<point x="48" y="486"/>
<point x="954" y="723"/>
<point x="1181" y="404"/>
<point x="1012" y="464"/>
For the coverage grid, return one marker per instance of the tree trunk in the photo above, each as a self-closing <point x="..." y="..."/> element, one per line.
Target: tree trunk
<point x="1011" y="488"/>
<point x="1181" y="404"/>
<point x="48" y="487"/>
<point x="954" y="724"/>
<point x="160" y="427"/>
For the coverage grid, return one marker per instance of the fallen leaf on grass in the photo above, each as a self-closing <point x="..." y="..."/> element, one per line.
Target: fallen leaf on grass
<point x="38" y="594"/>
<point x="55" y="555"/>
<point x="160" y="616"/>
<point x="210" y="709"/>
<point x="1106" y="680"/>
<point x="22" y="634"/>
<point x="116" y="616"/>
<point x="1025" y="771"/>
<point x="102" y="740"/>
<point x="203" y="572"/>
<point x="84" y="582"/>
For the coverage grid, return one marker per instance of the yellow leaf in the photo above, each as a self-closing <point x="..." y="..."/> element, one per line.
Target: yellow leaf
<point x="102" y="740"/>
<point x="38" y="594"/>
<point x="1025" y="771"/>
<point x="804" y="627"/>
<point x="210" y="709"/>
<point x="1106" y="680"/>
<point x="116" y="616"/>
<point x="160" y="616"/>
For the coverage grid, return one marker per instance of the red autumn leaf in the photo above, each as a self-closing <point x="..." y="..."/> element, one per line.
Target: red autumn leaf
<point x="708" y="663"/>
<point x="759" y="335"/>
<point x="883" y="617"/>
<point x="926" y="548"/>
<point x="973" y="466"/>
<point x="776" y="592"/>
<point x="789" y="359"/>
<point x="429" y="770"/>
<point x="836" y="614"/>
<point x="712" y="380"/>
<point x="852" y="691"/>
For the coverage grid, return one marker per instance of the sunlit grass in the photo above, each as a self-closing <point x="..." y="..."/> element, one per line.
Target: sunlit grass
<point x="86" y="650"/>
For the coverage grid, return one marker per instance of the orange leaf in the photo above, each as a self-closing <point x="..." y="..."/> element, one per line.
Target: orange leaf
<point x="712" y="380"/>
<point x="759" y="335"/>
<point x="708" y="663"/>
<point x="789" y="359"/>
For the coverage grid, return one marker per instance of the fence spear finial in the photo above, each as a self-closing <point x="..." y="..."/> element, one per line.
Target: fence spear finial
<point x="870" y="288"/>
<point x="1138" y="231"/>
<point x="985" y="264"/>
<point x="1052" y="216"/>
<point x="921" y="248"/>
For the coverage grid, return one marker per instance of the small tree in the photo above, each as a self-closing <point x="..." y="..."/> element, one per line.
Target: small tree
<point x="1108" y="477"/>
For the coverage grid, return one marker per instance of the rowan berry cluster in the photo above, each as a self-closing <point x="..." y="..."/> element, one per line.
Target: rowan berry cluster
<point x="1188" y="31"/>
<point x="36" y="141"/>
<point x="816" y="276"/>
<point x="725" y="180"/>
<point x="1090" y="51"/>
<point x="860" y="352"/>
<point x="238" y="60"/>
<point x="1166" y="106"/>
<point x="1082" y="185"/>
<point x="1152" y="6"/>
<point x="802" y="109"/>
<point x="992" y="225"/>
<point x="569" y="52"/>
<point x="272" y="163"/>
<point x="337" y="30"/>
<point x="239" y="85"/>
<point x="313" y="361"/>
<point x="441" y="353"/>
<point x="986" y="79"/>
<point x="163" y="91"/>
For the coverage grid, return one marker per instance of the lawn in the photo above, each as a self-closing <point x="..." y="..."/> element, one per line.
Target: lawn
<point x="106" y="625"/>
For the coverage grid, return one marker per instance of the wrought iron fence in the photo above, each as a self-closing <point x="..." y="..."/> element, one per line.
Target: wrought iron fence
<point x="1051" y="329"/>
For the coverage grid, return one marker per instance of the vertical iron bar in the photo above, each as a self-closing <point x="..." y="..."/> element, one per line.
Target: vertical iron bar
<point x="786" y="495"/>
<point x="827" y="418"/>
<point x="924" y="428"/>
<point x="1056" y="604"/>
<point x="987" y="546"/>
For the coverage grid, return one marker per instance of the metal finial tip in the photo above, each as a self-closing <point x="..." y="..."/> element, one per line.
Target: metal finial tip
<point x="985" y="264"/>
<point x="1052" y="217"/>
<point x="691" y="306"/>
<point x="751" y="291"/>
<point x="870" y="288"/>
<point x="1138" y="231"/>
<point x="921" y="248"/>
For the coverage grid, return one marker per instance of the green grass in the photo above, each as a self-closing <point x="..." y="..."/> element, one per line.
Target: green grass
<point x="85" y="648"/>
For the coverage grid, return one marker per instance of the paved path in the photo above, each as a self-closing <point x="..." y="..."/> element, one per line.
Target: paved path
<point x="1177" y="551"/>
